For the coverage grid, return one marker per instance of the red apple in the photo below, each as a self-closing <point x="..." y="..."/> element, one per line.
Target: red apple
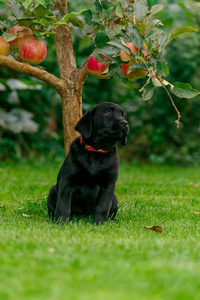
<point x="23" y="33"/>
<point x="124" y="56"/>
<point x="33" y="51"/>
<point x="96" y="68"/>
<point x="137" y="74"/>
<point x="4" y="47"/>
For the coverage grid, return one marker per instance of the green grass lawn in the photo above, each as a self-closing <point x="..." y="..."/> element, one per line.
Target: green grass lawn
<point x="119" y="260"/>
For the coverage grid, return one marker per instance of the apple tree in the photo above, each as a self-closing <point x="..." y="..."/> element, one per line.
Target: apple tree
<point x="129" y="41"/>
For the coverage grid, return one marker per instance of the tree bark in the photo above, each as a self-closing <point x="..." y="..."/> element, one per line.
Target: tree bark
<point x="71" y="94"/>
<point x="71" y="99"/>
<point x="71" y="112"/>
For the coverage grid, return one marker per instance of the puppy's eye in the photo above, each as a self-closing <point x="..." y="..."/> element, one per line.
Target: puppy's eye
<point x="109" y="113"/>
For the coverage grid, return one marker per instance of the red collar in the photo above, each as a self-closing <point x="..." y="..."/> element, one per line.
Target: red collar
<point x="89" y="148"/>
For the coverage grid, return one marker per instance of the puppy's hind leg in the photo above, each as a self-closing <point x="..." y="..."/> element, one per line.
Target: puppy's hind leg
<point x="51" y="201"/>
<point x="114" y="208"/>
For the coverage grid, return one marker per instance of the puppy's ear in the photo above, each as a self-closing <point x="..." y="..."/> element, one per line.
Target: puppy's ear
<point x="124" y="141"/>
<point x="84" y="125"/>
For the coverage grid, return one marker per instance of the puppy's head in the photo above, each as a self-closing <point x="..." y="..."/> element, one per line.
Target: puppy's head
<point x="106" y="122"/>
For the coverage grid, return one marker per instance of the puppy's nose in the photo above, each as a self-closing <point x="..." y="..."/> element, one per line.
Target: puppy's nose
<point x="123" y="122"/>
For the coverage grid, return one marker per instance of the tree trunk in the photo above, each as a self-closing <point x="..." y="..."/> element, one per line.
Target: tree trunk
<point x="71" y="93"/>
<point x="71" y="112"/>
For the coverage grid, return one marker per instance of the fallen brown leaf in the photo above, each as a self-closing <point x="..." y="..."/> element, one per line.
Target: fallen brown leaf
<point x="2" y="206"/>
<point x="154" y="228"/>
<point x="197" y="213"/>
<point x="193" y="184"/>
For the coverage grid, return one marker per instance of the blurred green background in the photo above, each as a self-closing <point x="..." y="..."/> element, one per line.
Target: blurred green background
<point x="30" y="111"/>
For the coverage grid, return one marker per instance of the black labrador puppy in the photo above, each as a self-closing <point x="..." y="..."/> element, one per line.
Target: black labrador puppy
<point x="86" y="181"/>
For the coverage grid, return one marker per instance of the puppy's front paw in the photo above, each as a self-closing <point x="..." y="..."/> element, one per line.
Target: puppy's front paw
<point x="61" y="215"/>
<point x="98" y="221"/>
<point x="61" y="219"/>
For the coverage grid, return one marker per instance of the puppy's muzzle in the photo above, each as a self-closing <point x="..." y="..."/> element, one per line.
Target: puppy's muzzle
<point x="123" y="123"/>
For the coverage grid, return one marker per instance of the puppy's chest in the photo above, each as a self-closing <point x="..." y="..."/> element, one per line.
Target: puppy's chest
<point x="97" y="173"/>
<point x="96" y="168"/>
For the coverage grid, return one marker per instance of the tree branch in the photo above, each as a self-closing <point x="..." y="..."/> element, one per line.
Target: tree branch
<point x="82" y="72"/>
<point x="172" y="101"/>
<point x="25" y="68"/>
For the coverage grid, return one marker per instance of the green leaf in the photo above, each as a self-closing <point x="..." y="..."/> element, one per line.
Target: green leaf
<point x="16" y="8"/>
<point x="11" y="20"/>
<point x="98" y="56"/>
<point x="44" y="3"/>
<point x="116" y="60"/>
<point x="184" y="90"/>
<point x="42" y="22"/>
<point x="89" y="29"/>
<point x="27" y="3"/>
<point x="162" y="55"/>
<point x="156" y="8"/>
<point x="106" y="49"/>
<point x="120" y="46"/>
<point x="147" y="93"/>
<point x="4" y="24"/>
<point x="26" y="22"/>
<point x="72" y="19"/>
<point x="76" y="21"/>
<point x="162" y="39"/>
<point x="112" y="70"/>
<point x="162" y="68"/>
<point x="101" y="38"/>
<point x="141" y="26"/>
<point x="40" y="12"/>
<point x="119" y="10"/>
<point x="148" y="42"/>
<point x="140" y="9"/>
<point x="165" y="68"/>
<point x="136" y="67"/>
<point x="141" y="59"/>
<point x="135" y="36"/>
<point x="9" y="36"/>
<point x="78" y="13"/>
<point x="156" y="82"/>
<point x="180" y="31"/>
<point x="117" y="29"/>
<point x="98" y="6"/>
<point x="88" y="16"/>
<point x="108" y="13"/>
